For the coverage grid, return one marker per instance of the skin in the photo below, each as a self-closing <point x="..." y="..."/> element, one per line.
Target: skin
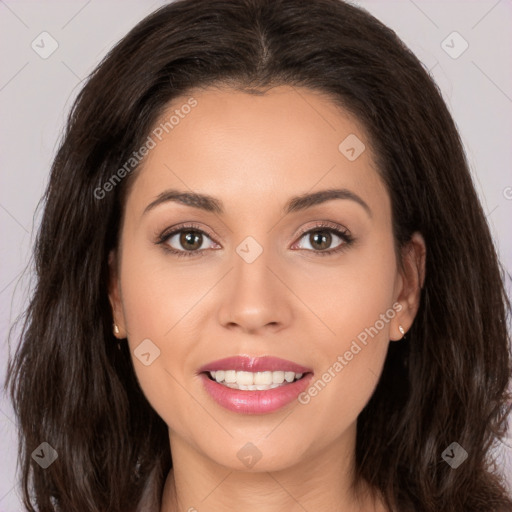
<point x="254" y="153"/>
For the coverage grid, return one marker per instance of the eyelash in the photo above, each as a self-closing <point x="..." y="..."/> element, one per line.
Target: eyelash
<point x="339" y="231"/>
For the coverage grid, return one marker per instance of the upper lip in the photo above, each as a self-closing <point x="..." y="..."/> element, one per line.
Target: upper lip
<point x="254" y="364"/>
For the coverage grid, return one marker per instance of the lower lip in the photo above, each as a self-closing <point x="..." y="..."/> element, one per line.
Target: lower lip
<point x="255" y="402"/>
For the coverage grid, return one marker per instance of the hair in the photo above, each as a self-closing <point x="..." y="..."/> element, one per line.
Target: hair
<point x="72" y="387"/>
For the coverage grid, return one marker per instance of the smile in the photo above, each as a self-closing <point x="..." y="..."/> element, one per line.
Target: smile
<point x="254" y="385"/>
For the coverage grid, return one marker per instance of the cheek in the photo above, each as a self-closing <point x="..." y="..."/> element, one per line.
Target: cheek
<point x="355" y="303"/>
<point x="155" y="304"/>
<point x="350" y="295"/>
<point x="155" y="294"/>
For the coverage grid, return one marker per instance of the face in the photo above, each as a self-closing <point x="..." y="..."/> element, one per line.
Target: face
<point x="258" y="273"/>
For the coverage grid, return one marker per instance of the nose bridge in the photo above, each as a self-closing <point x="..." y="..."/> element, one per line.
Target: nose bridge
<point x="252" y="262"/>
<point x="255" y="297"/>
<point x="252" y="278"/>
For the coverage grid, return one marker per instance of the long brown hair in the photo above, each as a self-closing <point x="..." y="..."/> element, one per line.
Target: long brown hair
<point x="72" y="388"/>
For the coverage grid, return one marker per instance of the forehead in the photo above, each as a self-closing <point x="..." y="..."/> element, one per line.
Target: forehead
<point x="262" y="148"/>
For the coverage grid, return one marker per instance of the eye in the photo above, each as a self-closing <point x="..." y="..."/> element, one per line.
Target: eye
<point x="189" y="240"/>
<point x="185" y="240"/>
<point x="323" y="235"/>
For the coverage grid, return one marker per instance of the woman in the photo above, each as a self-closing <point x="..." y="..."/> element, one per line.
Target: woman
<point x="263" y="256"/>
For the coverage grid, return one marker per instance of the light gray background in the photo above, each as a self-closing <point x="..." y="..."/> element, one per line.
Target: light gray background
<point x="36" y="94"/>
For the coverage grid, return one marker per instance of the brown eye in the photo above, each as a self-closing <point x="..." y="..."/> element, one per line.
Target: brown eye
<point x="191" y="240"/>
<point x="320" y="239"/>
<point x="186" y="241"/>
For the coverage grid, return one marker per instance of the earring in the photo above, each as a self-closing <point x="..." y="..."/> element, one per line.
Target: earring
<point x="402" y="330"/>
<point x="116" y="329"/>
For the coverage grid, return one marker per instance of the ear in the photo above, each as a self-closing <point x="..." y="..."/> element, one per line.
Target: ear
<point x="114" y="295"/>
<point x="411" y="280"/>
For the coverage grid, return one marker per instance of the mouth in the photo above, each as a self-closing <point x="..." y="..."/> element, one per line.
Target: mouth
<point x="254" y="385"/>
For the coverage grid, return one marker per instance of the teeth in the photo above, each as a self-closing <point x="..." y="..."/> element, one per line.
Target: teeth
<point x="262" y="378"/>
<point x="278" y="377"/>
<point x="245" y="379"/>
<point x="230" y="376"/>
<point x="253" y="381"/>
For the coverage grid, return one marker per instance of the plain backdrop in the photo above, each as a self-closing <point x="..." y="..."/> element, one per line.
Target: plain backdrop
<point x="471" y="67"/>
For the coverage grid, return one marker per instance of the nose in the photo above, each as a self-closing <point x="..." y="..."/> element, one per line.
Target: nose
<point x="256" y="296"/>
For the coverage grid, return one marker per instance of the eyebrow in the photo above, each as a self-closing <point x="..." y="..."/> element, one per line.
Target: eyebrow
<point x="294" y="204"/>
